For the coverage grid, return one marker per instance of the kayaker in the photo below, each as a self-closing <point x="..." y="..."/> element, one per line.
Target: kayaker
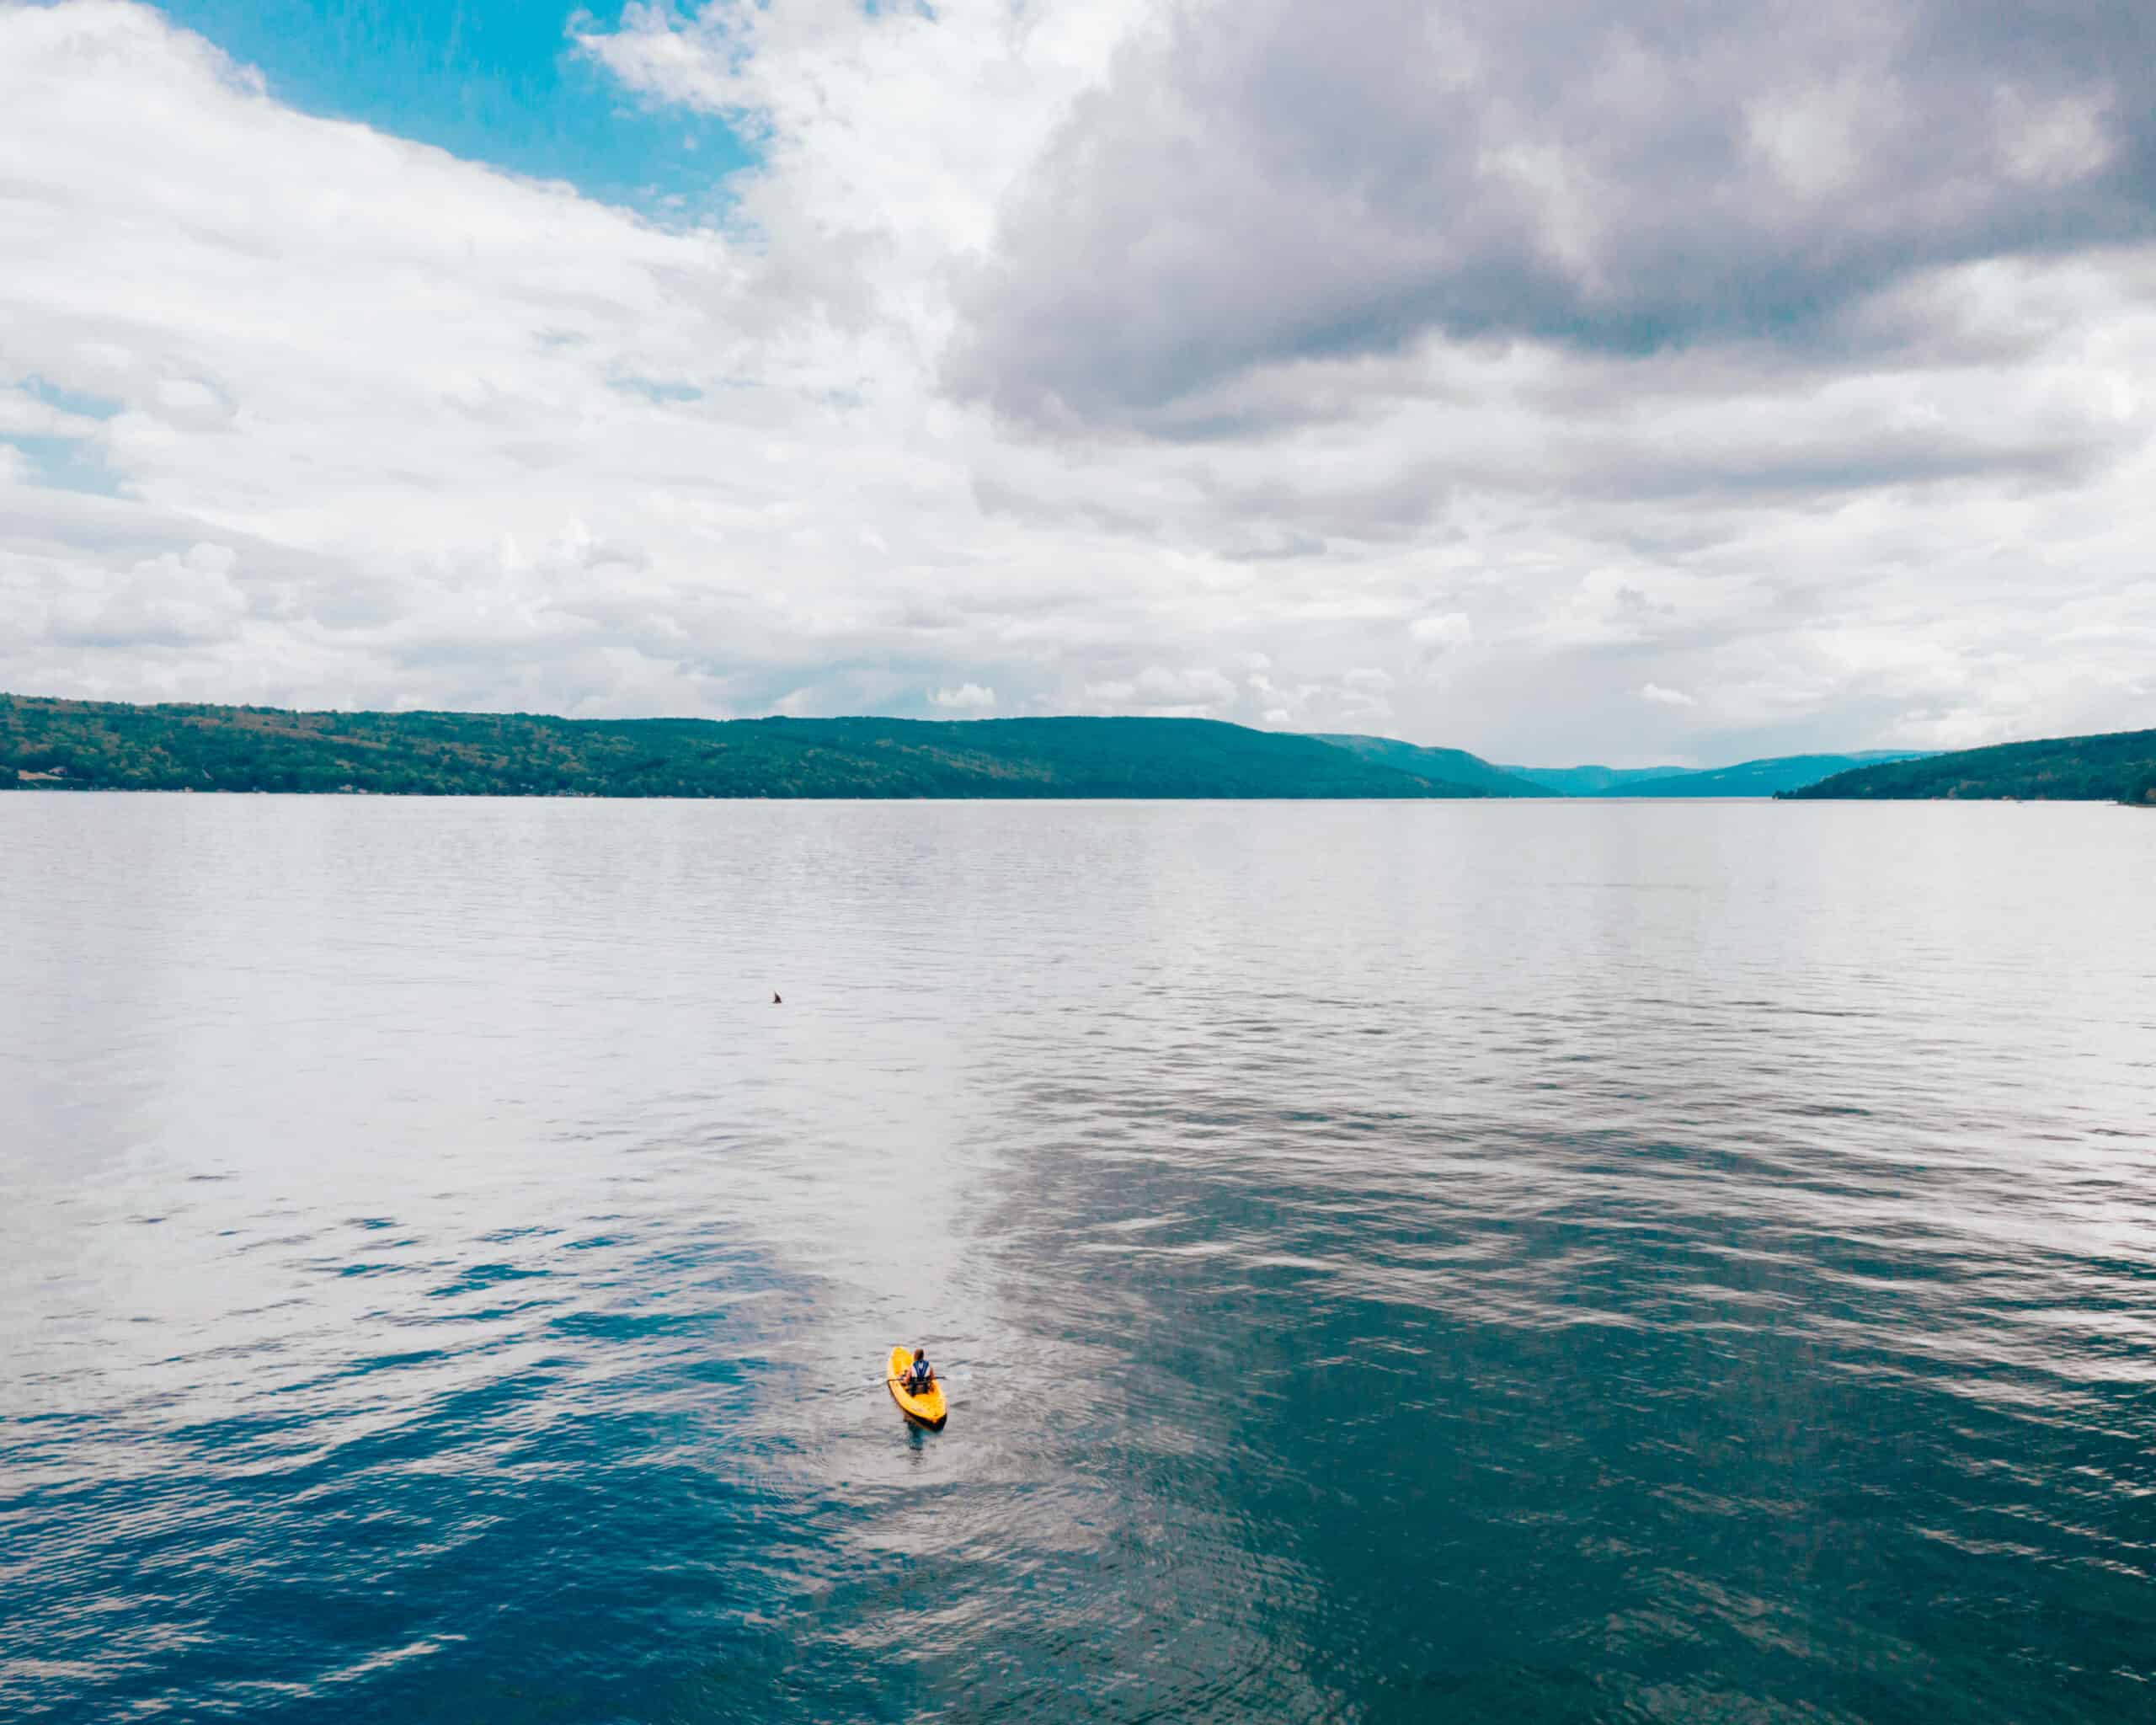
<point x="920" y="1375"/>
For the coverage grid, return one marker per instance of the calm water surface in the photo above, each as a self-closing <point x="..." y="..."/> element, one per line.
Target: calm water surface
<point x="1519" y="1262"/>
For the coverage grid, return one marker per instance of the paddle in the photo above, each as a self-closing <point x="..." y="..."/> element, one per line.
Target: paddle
<point x="960" y="1371"/>
<point x="942" y="1377"/>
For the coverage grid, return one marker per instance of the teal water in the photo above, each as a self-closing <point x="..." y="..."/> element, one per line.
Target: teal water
<point x="1522" y="1261"/>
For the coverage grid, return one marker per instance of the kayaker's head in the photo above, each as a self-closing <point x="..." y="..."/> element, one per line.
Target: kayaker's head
<point x="920" y="1354"/>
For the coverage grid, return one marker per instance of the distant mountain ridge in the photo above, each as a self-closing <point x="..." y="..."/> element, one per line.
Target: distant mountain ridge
<point x="1763" y="777"/>
<point x="57" y="744"/>
<point x="1588" y="781"/>
<point x="2117" y="767"/>
<point x="1752" y="778"/>
<point x="1747" y="778"/>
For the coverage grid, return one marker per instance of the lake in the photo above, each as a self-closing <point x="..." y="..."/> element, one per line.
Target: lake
<point x="1519" y="1261"/>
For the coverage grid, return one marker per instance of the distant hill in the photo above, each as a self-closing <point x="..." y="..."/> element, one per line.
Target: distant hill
<point x="99" y="745"/>
<point x="1441" y="765"/>
<point x="2120" y="767"/>
<point x="1751" y="778"/>
<point x="1590" y="781"/>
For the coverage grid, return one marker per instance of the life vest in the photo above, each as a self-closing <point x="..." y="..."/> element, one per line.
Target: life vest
<point x="919" y="1373"/>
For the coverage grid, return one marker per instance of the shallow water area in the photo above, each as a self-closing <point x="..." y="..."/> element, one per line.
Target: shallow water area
<point x="1671" y="1260"/>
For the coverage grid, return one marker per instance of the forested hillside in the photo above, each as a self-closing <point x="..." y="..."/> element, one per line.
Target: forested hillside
<point x="59" y="744"/>
<point x="2119" y="766"/>
<point x="1444" y="766"/>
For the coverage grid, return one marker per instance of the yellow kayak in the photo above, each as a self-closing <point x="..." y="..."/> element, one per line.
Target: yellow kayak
<point x="929" y="1410"/>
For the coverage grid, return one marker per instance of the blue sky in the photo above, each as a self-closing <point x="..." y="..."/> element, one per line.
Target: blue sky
<point x="68" y="463"/>
<point x="493" y="81"/>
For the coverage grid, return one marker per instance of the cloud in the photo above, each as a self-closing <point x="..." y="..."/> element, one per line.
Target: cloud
<point x="1655" y="694"/>
<point x="1273" y="181"/>
<point x="1436" y="634"/>
<point x="970" y="697"/>
<point x="1120" y="356"/>
<point x="1198" y="691"/>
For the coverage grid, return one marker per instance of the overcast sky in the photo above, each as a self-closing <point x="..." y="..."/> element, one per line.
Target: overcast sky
<point x="1686" y="380"/>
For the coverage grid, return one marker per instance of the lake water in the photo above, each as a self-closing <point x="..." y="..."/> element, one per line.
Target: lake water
<point x="1525" y="1261"/>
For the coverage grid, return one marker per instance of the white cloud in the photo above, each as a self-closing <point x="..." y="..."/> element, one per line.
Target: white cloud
<point x="1453" y="629"/>
<point x="1194" y="686"/>
<point x="970" y="696"/>
<point x="23" y="415"/>
<point x="1660" y="697"/>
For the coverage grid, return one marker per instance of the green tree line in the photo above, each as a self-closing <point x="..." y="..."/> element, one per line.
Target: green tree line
<point x="106" y="745"/>
<point x="2118" y="766"/>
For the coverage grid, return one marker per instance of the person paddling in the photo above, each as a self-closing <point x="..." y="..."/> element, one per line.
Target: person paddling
<point x="921" y="1376"/>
